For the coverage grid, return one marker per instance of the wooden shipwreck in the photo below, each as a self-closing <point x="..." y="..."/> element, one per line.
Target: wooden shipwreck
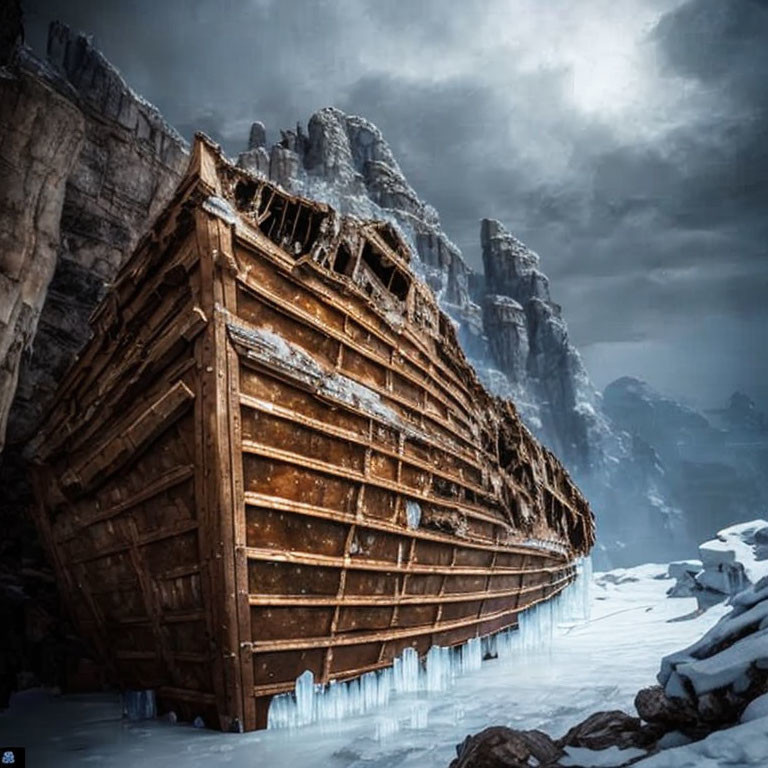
<point x="273" y="457"/>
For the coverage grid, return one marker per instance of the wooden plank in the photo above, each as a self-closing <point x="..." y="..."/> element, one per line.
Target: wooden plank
<point x="173" y="477"/>
<point x="150" y="538"/>
<point x="233" y="438"/>
<point x="206" y="476"/>
<point x="309" y="510"/>
<point x="287" y="309"/>
<point x="383" y="566"/>
<point x="360" y="638"/>
<point x="325" y="428"/>
<point x="128" y="440"/>
<point x="324" y="467"/>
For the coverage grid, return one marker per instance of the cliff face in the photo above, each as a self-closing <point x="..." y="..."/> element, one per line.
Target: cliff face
<point x="122" y="163"/>
<point x="529" y="343"/>
<point x="41" y="134"/>
<point x="716" y="462"/>
<point x="84" y="166"/>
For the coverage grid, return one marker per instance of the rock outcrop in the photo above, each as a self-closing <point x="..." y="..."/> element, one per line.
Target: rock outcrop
<point x="124" y="163"/>
<point x="86" y="164"/>
<point x="716" y="462"/>
<point x="718" y="682"/>
<point x="41" y="134"/>
<point x="529" y="343"/>
<point x="735" y="559"/>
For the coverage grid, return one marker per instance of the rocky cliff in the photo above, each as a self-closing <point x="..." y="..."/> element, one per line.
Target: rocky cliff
<point x="86" y="164"/>
<point x="716" y="463"/>
<point x="116" y="165"/>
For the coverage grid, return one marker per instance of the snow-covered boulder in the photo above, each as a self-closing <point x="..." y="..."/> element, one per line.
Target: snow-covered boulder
<point x="684" y="572"/>
<point x="736" y="558"/>
<point x="727" y="668"/>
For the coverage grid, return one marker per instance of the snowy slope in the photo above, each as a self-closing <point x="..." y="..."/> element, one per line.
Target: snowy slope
<point x="594" y="665"/>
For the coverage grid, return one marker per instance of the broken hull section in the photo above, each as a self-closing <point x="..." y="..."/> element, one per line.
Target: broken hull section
<point x="273" y="458"/>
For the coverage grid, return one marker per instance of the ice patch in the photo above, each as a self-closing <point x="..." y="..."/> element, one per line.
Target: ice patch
<point x="413" y="513"/>
<point x="599" y="758"/>
<point x="218" y="206"/>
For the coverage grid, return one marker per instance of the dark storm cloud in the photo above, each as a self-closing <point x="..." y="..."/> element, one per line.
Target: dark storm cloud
<point x="625" y="142"/>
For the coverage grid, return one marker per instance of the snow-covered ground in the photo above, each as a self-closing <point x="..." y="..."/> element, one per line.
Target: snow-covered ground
<point x="594" y="665"/>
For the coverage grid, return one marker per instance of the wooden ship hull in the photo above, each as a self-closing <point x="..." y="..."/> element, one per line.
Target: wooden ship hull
<point x="273" y="457"/>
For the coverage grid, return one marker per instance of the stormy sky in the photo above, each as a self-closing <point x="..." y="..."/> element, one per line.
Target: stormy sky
<point x="624" y="140"/>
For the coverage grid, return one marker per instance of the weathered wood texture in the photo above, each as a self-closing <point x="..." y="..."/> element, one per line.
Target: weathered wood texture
<point x="273" y="457"/>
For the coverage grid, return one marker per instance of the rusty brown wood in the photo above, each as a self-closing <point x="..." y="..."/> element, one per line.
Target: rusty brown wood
<point x="129" y="436"/>
<point x="469" y="457"/>
<point x="169" y="617"/>
<point x="400" y="599"/>
<point x="374" y="328"/>
<point x="330" y="429"/>
<point x="164" y="533"/>
<point x="391" y="634"/>
<point x="328" y="660"/>
<point x="384" y="566"/>
<point x="173" y="477"/>
<point x="150" y="597"/>
<point x="276" y="301"/>
<point x="185" y="694"/>
<point x="233" y="443"/>
<point x="220" y="490"/>
<point x="222" y="654"/>
<point x="96" y="383"/>
<point x="309" y="510"/>
<point x="326" y="468"/>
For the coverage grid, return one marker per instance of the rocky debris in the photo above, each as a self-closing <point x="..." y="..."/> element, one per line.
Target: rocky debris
<point x="718" y="682"/>
<point x="719" y="675"/>
<point x="684" y="573"/>
<point x="735" y="559"/>
<point x="500" y="747"/>
<point x="612" y="732"/>
<point x="611" y="729"/>
<point x="654" y="706"/>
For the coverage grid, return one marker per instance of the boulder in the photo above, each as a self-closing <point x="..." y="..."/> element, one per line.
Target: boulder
<point x="501" y="747"/>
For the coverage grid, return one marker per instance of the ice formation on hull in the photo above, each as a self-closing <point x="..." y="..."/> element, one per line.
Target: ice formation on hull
<point x="313" y="703"/>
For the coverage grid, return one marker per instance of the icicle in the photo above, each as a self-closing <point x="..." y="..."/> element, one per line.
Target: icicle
<point x="338" y="700"/>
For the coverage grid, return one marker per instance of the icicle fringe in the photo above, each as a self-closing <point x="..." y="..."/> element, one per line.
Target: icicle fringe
<point x="311" y="703"/>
